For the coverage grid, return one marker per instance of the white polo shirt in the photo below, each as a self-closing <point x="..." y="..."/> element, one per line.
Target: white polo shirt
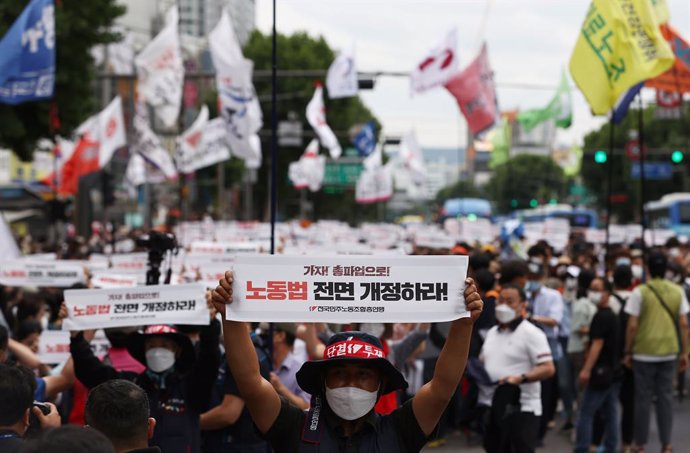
<point x="508" y="353"/>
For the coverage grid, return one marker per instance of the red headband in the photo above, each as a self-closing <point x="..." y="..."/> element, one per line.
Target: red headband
<point x="354" y="349"/>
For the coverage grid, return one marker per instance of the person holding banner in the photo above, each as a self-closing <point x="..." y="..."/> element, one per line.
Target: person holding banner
<point x="177" y="382"/>
<point x="351" y="378"/>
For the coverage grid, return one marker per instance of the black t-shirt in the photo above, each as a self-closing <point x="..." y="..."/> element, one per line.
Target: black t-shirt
<point x="286" y="433"/>
<point x="242" y="433"/>
<point x="605" y="327"/>
<point x="622" y="323"/>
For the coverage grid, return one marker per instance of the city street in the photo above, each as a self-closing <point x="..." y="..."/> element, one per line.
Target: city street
<point x="560" y="443"/>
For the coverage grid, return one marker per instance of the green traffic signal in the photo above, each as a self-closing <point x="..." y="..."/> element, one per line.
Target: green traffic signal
<point x="553" y="201"/>
<point x="533" y="203"/>
<point x="513" y="203"/>
<point x="677" y="156"/>
<point x="600" y="157"/>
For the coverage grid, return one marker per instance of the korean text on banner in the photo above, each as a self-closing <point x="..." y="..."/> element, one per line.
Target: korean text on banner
<point x="619" y="46"/>
<point x="53" y="346"/>
<point x="58" y="274"/>
<point x="161" y="304"/>
<point x="348" y="288"/>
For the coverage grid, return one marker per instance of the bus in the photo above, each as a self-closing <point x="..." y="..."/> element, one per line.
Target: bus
<point x="577" y="217"/>
<point x="472" y="208"/>
<point x="671" y="212"/>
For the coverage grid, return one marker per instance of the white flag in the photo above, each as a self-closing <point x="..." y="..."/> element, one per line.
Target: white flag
<point x="316" y="115"/>
<point x="375" y="159"/>
<point x="111" y="131"/>
<point x="203" y="144"/>
<point x="238" y="101"/>
<point x="8" y="246"/>
<point x="161" y="72"/>
<point x="309" y="170"/>
<point x="411" y="155"/>
<point x="120" y="54"/>
<point x="438" y="66"/>
<point x="148" y="146"/>
<point x="374" y="186"/>
<point x="341" y="80"/>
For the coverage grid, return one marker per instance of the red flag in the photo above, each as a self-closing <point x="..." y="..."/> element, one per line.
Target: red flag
<point x="84" y="160"/>
<point x="475" y="93"/>
<point x="676" y="79"/>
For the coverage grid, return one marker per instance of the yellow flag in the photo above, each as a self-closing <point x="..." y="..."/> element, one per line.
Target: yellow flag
<point x="661" y="10"/>
<point x="619" y="46"/>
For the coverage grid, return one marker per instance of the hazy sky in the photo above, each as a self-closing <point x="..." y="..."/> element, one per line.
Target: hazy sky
<point x="529" y="42"/>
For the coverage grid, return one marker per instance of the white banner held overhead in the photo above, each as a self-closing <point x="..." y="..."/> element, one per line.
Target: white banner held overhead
<point x="348" y="289"/>
<point x="58" y="274"/>
<point x="143" y="305"/>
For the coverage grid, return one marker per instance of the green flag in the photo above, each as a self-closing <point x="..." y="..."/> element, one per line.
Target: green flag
<point x="501" y="139"/>
<point x="559" y="109"/>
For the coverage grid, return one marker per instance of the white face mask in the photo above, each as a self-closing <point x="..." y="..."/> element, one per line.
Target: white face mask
<point x="594" y="297"/>
<point x="160" y="359"/>
<point x="350" y="403"/>
<point x="505" y="314"/>
<point x="636" y="271"/>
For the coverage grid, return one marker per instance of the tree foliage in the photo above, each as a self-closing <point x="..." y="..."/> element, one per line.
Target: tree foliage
<point x="524" y="178"/>
<point x="661" y="137"/>
<point x="79" y="25"/>
<point x="302" y="52"/>
<point x="461" y="189"/>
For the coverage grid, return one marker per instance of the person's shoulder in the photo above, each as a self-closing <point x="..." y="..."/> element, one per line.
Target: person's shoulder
<point x="551" y="293"/>
<point x="527" y="328"/>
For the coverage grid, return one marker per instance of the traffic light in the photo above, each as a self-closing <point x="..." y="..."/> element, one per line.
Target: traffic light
<point x="533" y="203"/>
<point x="553" y="201"/>
<point x="677" y="156"/>
<point x="600" y="157"/>
<point x="513" y="203"/>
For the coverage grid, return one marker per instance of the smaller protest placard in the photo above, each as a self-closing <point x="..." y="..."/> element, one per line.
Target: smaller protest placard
<point x="348" y="288"/>
<point x="58" y="273"/>
<point x="53" y="346"/>
<point x="143" y="305"/>
<point x="216" y="248"/>
<point x="107" y="280"/>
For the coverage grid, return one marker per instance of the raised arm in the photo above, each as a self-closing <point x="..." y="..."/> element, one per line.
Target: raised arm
<point x="431" y="400"/>
<point x="258" y="394"/>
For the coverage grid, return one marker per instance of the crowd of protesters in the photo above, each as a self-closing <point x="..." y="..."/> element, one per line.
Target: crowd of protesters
<point x="574" y="340"/>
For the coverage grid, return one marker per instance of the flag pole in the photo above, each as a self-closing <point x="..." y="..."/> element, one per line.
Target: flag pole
<point x="609" y="190"/>
<point x="640" y="116"/>
<point x="274" y="126"/>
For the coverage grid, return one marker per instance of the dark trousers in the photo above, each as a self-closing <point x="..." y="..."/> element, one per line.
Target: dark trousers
<point x="517" y="434"/>
<point x="549" y="400"/>
<point x="627" y="399"/>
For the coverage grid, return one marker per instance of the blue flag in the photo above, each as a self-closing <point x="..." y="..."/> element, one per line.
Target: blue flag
<point x="365" y="140"/>
<point x="623" y="104"/>
<point x="27" y="55"/>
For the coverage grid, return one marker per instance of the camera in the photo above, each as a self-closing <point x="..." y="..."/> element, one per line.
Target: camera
<point x="159" y="242"/>
<point x="158" y="245"/>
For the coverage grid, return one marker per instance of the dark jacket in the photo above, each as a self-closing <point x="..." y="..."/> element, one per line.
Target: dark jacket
<point x="177" y="404"/>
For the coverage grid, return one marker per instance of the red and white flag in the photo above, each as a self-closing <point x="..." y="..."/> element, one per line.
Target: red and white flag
<point x="438" y="66"/>
<point x="161" y="72"/>
<point x="84" y="160"/>
<point x="316" y="115"/>
<point x="375" y="185"/>
<point x="309" y="170"/>
<point x="475" y="94"/>
<point x="203" y="144"/>
<point x="412" y="157"/>
<point x="111" y="131"/>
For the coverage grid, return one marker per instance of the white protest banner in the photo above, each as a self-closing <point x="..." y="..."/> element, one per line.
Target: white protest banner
<point x="143" y="305"/>
<point x="108" y="280"/>
<point x="434" y="240"/>
<point x="595" y="236"/>
<point x="128" y="263"/>
<point x="215" y="248"/>
<point x="478" y="230"/>
<point x="58" y="274"/>
<point x="657" y="236"/>
<point x="53" y="345"/>
<point x="557" y="232"/>
<point x="348" y="288"/>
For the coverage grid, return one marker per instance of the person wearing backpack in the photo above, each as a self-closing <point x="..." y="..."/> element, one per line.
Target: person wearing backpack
<point x="656" y="343"/>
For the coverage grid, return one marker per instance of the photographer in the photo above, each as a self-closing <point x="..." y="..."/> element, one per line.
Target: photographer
<point x="17" y="386"/>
